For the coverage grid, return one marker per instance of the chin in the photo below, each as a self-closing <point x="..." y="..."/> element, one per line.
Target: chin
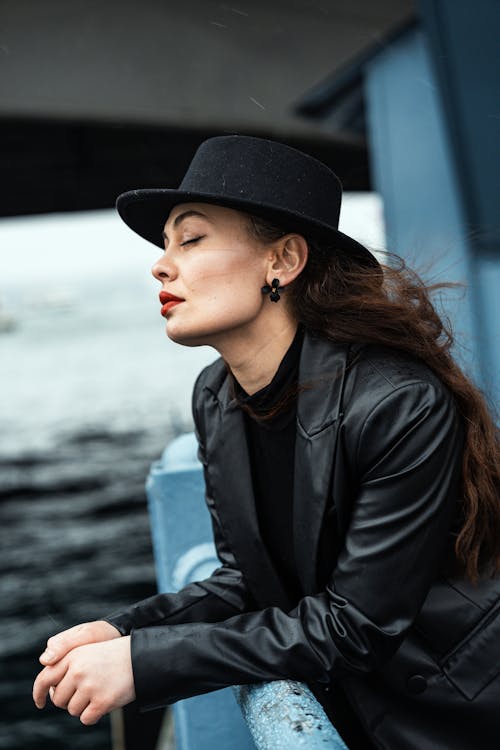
<point x="180" y="335"/>
<point x="203" y="335"/>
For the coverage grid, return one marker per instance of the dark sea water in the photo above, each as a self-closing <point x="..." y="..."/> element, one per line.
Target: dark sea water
<point x="90" y="395"/>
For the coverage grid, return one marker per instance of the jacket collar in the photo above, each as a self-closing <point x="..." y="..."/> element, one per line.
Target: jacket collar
<point x="317" y="406"/>
<point x="322" y="368"/>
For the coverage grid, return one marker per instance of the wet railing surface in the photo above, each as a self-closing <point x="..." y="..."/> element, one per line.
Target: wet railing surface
<point x="285" y="715"/>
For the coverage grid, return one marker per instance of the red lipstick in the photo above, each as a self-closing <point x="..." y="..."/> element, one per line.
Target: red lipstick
<point x="168" y="301"/>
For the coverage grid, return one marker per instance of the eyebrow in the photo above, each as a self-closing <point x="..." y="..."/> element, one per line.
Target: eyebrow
<point x="183" y="216"/>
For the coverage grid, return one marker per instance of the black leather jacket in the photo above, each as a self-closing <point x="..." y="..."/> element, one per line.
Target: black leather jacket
<point x="377" y="482"/>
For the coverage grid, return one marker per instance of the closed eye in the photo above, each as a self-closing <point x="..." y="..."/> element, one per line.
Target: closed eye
<point x="190" y="242"/>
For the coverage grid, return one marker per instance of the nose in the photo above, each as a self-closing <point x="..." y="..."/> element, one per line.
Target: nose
<point x="164" y="269"/>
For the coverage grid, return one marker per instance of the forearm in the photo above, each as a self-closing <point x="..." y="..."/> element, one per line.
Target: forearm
<point x="217" y="598"/>
<point x="316" y="639"/>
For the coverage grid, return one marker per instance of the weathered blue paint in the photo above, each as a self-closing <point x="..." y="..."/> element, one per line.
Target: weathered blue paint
<point x="280" y="714"/>
<point x="285" y="715"/>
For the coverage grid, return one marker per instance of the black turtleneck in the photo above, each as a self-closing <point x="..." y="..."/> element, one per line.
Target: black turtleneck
<point x="271" y="445"/>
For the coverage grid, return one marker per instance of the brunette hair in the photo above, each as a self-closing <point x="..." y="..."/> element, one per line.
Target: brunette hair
<point x="343" y="301"/>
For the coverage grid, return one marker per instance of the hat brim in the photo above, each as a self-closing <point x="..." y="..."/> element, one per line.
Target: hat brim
<point x="146" y="210"/>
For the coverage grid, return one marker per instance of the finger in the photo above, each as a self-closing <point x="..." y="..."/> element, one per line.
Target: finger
<point x="58" y="645"/>
<point x="78" y="704"/>
<point x="91" y="715"/>
<point x="61" y="694"/>
<point x="45" y="679"/>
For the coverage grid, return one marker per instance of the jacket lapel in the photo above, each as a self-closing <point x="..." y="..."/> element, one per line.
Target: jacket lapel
<point x="230" y="475"/>
<point x="322" y="365"/>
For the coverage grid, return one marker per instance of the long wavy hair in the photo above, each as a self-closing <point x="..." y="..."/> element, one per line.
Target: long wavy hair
<point x="339" y="299"/>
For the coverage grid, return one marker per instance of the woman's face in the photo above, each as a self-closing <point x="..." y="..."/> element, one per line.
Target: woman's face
<point x="212" y="264"/>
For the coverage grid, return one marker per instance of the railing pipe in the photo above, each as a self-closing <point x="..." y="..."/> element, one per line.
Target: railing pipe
<point x="285" y="715"/>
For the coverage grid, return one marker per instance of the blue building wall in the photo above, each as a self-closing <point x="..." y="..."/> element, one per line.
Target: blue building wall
<point x="418" y="171"/>
<point x="413" y="171"/>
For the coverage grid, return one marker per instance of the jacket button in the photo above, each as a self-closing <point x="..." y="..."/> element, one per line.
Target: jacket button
<point x="416" y="684"/>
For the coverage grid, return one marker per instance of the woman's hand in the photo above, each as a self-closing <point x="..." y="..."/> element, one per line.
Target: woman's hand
<point x="79" y="635"/>
<point x="89" y="681"/>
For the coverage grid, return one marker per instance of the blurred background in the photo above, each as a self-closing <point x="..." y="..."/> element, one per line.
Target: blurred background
<point x="400" y="98"/>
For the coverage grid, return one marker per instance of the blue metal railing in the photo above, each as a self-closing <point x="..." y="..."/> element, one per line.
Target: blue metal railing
<point x="285" y="715"/>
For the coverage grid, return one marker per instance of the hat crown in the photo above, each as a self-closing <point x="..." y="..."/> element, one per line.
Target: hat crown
<point x="265" y="173"/>
<point x="262" y="177"/>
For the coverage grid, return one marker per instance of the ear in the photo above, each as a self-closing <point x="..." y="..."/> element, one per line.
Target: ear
<point x="287" y="259"/>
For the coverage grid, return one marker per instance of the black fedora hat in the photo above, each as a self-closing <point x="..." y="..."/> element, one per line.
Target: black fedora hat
<point x="256" y="175"/>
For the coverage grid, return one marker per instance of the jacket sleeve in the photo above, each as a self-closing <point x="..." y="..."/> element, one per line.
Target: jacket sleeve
<point x="216" y="598"/>
<point x="407" y="452"/>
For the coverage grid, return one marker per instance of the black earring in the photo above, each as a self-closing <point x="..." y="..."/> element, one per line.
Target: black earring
<point x="275" y="289"/>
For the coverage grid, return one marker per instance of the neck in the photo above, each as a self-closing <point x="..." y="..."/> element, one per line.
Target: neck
<point x="254" y="359"/>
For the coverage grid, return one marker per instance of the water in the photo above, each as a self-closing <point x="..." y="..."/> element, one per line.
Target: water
<point x="91" y="391"/>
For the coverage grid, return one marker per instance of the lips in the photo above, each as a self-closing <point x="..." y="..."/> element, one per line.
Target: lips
<point x="167" y="297"/>
<point x="168" y="301"/>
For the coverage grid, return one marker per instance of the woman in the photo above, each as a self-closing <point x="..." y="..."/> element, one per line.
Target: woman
<point x="351" y="472"/>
